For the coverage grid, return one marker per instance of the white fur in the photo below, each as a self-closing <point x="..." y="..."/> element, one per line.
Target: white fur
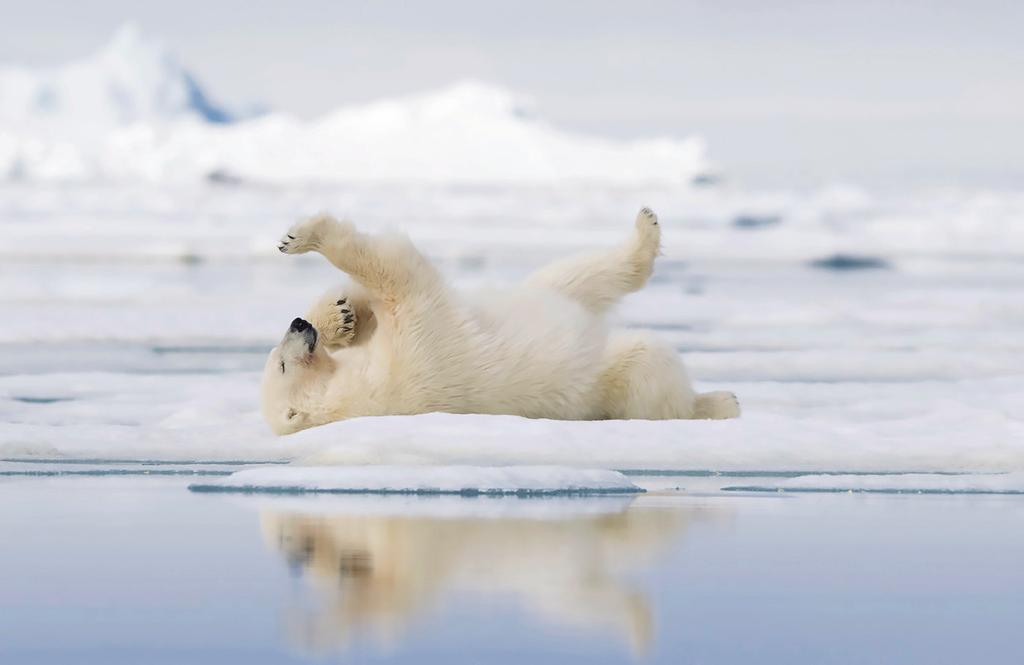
<point x="541" y="350"/>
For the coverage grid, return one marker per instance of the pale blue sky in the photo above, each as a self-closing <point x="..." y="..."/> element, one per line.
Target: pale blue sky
<point x="798" y="92"/>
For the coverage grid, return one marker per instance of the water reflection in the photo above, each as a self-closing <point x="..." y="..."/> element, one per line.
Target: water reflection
<point x="376" y="567"/>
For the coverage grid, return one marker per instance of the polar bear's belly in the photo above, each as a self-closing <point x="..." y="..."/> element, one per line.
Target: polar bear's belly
<point x="536" y="354"/>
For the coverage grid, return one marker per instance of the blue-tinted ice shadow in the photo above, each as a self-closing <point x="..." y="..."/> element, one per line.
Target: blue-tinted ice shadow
<point x="468" y="492"/>
<point x="41" y="400"/>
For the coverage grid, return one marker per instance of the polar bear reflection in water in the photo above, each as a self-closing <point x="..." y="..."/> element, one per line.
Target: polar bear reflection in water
<point x="375" y="574"/>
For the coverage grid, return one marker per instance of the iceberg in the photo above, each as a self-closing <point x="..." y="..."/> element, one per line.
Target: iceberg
<point x="128" y="81"/>
<point x="133" y="112"/>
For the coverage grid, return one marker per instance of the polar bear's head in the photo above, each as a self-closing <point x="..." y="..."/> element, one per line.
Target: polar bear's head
<point x="295" y="378"/>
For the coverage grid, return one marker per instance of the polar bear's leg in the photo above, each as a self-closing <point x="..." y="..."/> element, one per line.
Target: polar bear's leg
<point x="601" y="279"/>
<point x="644" y="378"/>
<point x="389" y="266"/>
<point x="343" y="316"/>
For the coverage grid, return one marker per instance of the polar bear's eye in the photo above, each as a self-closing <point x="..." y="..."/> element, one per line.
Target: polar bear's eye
<point x="282" y="367"/>
<point x="292" y="413"/>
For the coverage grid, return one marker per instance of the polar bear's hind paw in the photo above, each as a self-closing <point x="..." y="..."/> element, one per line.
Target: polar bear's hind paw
<point x="648" y="233"/>
<point x="718" y="405"/>
<point x="646" y="216"/>
<point x="647" y="241"/>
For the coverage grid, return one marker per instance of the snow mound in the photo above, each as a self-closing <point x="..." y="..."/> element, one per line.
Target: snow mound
<point x="132" y="112"/>
<point x="462" y="480"/>
<point x="757" y="441"/>
<point x="911" y="483"/>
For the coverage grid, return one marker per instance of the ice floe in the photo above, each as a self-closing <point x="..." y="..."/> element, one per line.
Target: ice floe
<point x="461" y="480"/>
<point x="909" y="483"/>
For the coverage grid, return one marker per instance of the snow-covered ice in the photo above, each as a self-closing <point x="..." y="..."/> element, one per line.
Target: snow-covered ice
<point x="758" y="441"/>
<point x="863" y="330"/>
<point x="129" y="426"/>
<point x="116" y="349"/>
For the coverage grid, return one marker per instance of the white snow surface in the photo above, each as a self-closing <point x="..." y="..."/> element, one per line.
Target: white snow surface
<point x="786" y="427"/>
<point x="132" y="112"/>
<point x="756" y="442"/>
<point x="1002" y="483"/>
<point x="386" y="479"/>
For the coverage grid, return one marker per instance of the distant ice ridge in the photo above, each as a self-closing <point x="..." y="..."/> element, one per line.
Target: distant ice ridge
<point x="463" y="480"/>
<point x="131" y="111"/>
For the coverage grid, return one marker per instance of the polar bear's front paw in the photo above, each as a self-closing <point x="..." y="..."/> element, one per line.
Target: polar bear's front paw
<point x="334" y="316"/>
<point x="342" y="323"/>
<point x="307" y="235"/>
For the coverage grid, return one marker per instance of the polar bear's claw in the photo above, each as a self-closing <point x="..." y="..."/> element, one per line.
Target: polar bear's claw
<point x="646" y="216"/>
<point x="345" y="323"/>
<point x="334" y="315"/>
<point x="305" y="235"/>
<point x="292" y="244"/>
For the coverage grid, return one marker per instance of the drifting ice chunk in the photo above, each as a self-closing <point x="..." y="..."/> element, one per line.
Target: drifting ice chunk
<point x="911" y="483"/>
<point x="464" y="480"/>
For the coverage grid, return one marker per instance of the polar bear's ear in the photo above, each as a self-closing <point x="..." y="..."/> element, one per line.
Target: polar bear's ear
<point x="291" y="415"/>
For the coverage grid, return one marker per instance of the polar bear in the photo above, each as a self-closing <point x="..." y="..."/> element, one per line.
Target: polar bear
<point x="397" y="340"/>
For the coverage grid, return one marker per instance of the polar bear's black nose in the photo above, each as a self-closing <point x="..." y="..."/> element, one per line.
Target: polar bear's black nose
<point x="299" y="325"/>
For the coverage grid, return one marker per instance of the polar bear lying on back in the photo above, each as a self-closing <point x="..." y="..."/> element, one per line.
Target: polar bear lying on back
<point x="398" y="340"/>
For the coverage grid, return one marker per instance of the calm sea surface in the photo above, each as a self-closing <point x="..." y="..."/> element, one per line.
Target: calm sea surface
<point x="136" y="569"/>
